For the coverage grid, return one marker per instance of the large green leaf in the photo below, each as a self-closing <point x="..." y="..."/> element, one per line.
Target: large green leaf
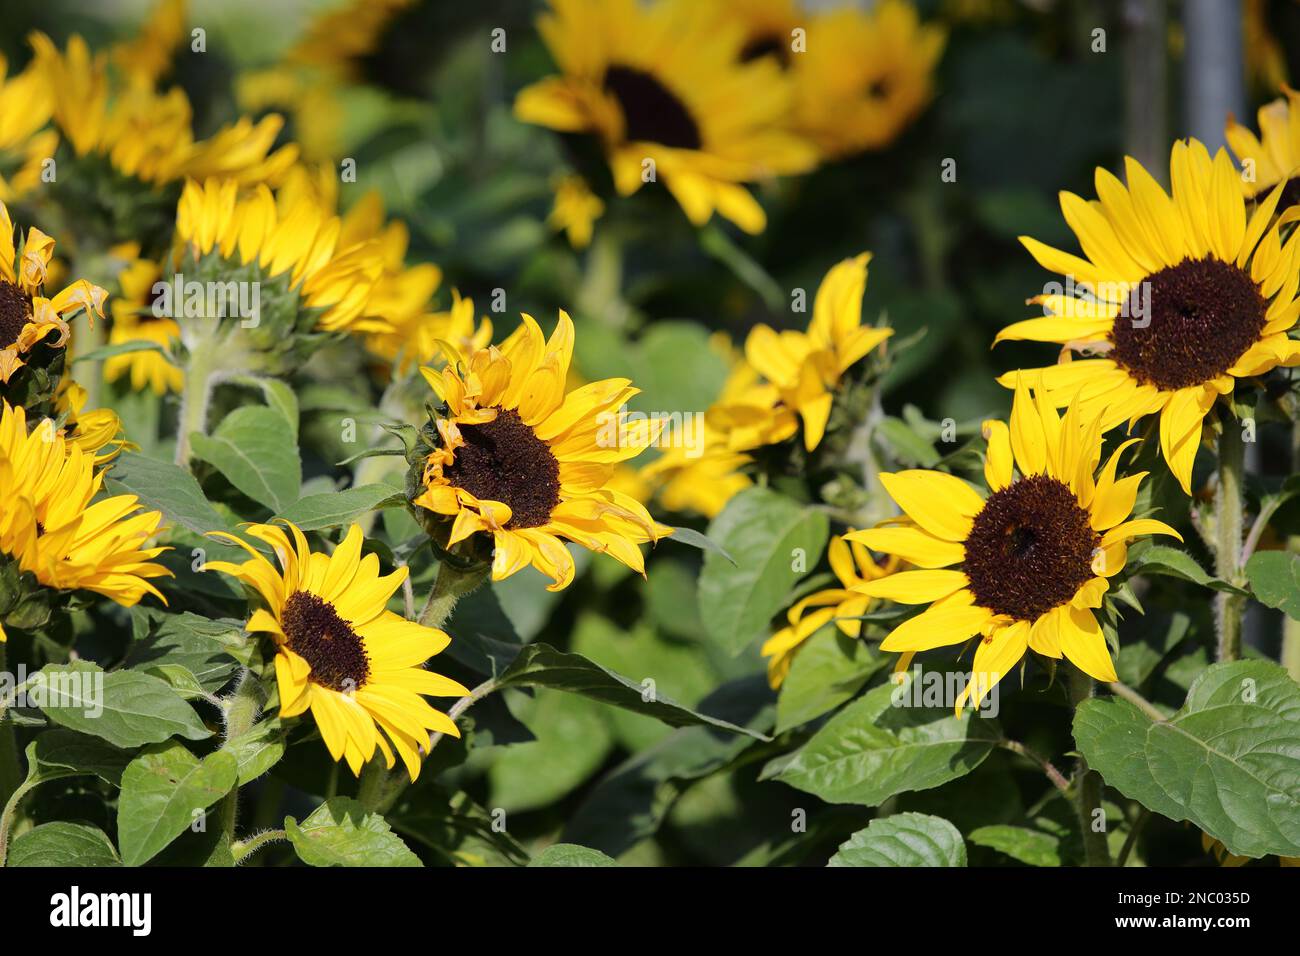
<point x="828" y="670"/>
<point x="256" y="449"/>
<point x="336" y="508"/>
<point x="65" y="753"/>
<point x="905" y="839"/>
<point x="165" y="792"/>
<point x="167" y="488"/>
<point x="1031" y="847"/>
<point x="207" y="648"/>
<point x="769" y="535"/>
<point x="1275" y="578"/>
<point x="63" y="844"/>
<point x="126" y="708"/>
<point x="341" y="833"/>
<point x="1166" y="560"/>
<point x="541" y="665"/>
<point x="1228" y="761"/>
<point x="874" y="749"/>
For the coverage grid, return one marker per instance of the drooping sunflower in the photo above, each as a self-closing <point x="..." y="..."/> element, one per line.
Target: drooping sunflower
<point x="1274" y="155"/>
<point x="26" y="103"/>
<point x="340" y="652"/>
<point x="296" y="239"/>
<point x="663" y="86"/>
<point x="806" y="367"/>
<point x="134" y="320"/>
<point x="1181" y="297"/>
<point x="854" y="565"/>
<point x="1023" y="567"/>
<point x="524" y="461"/>
<point x="27" y="317"/>
<point x="859" y="77"/>
<point x="53" y="527"/>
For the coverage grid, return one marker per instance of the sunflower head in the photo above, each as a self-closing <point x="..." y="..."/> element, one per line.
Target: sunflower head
<point x="1025" y="566"/>
<point x="34" y="328"/>
<point x="1178" y="296"/>
<point x="57" y="533"/>
<point x="656" y="84"/>
<point x="26" y="103"/>
<point x="512" y="455"/>
<point x="135" y="320"/>
<point x="1273" y="156"/>
<point x="340" y="653"/>
<point x="284" y="256"/>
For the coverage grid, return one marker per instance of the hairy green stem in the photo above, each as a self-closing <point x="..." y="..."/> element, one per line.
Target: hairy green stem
<point x="242" y="850"/>
<point x="1055" y="776"/>
<point x="1228" y="506"/>
<point x="1087" y="786"/>
<point x="1137" y="700"/>
<point x="196" y="395"/>
<point x="240" y="711"/>
<point x="453" y="584"/>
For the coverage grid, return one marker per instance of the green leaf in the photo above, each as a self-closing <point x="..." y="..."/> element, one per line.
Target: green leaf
<point x="121" y="348"/>
<point x="279" y="395"/>
<point x="126" y="708"/>
<point x="904" y="839"/>
<point x="829" y="669"/>
<point x="1031" y="847"/>
<point x="257" y="751"/>
<point x="63" y="844"/>
<point x="693" y="538"/>
<point x="874" y="749"/>
<point x="210" y="649"/>
<point x="64" y="753"/>
<point x="573" y="740"/>
<point x="764" y="531"/>
<point x="541" y="665"/>
<point x="1275" y="578"/>
<point x="1162" y="559"/>
<point x="164" y="792"/>
<point x="570" y="854"/>
<point x="255" y="448"/>
<point x="1228" y="761"/>
<point x="338" y="508"/>
<point x="341" y="833"/>
<point x="167" y="488"/>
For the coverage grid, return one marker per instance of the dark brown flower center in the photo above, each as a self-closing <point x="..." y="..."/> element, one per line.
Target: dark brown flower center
<point x="504" y="460"/>
<point x="1030" y="548"/>
<point x="651" y="112"/>
<point x="15" y="311"/>
<point x="1188" y="324"/>
<point x="770" y="44"/>
<point x="324" y="640"/>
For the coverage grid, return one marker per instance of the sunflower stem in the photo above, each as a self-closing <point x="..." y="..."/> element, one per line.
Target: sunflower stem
<point x="196" y="396"/>
<point x="11" y="775"/>
<point x="453" y="583"/>
<point x="1087" y="787"/>
<point x="243" y="849"/>
<point x="1228" y="504"/>
<point x="240" y="712"/>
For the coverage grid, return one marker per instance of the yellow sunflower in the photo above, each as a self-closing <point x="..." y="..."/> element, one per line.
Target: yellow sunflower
<point x="54" y="526"/>
<point x="149" y="135"/>
<point x="340" y="652"/>
<point x="26" y="103"/>
<point x="27" y="317"/>
<point x="96" y="431"/>
<point x="663" y="86"/>
<point x="859" y="77"/>
<point x="1274" y="156"/>
<point x="529" y="464"/>
<point x="298" y="238"/>
<point x="148" y="56"/>
<point x="854" y="566"/>
<point x="419" y="340"/>
<point x="134" y="321"/>
<point x="1180" y="297"/>
<point x="806" y="367"/>
<point x="1025" y="566"/>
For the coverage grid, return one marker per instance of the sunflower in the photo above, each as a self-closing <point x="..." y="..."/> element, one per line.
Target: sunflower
<point x="339" y="651"/>
<point x="575" y="211"/>
<point x="96" y="431"/>
<point x="53" y="527"/>
<point x="1182" y="296"/>
<point x="806" y="367"/>
<point x="1274" y="156"/>
<point x="858" y="77"/>
<point x="134" y="320"/>
<point x="419" y="340"/>
<point x="529" y="464"/>
<point x="26" y="316"/>
<point x="1024" y="566"/>
<point x="148" y="56"/>
<point x="854" y="566"/>
<point x="147" y="135"/>
<point x="663" y="86"/>
<point x="26" y="103"/>
<point x="297" y="238"/>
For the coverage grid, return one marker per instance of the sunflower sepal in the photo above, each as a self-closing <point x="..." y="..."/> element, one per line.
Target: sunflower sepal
<point x="24" y="604"/>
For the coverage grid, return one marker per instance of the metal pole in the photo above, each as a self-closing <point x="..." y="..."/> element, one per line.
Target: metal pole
<point x="1214" y="78"/>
